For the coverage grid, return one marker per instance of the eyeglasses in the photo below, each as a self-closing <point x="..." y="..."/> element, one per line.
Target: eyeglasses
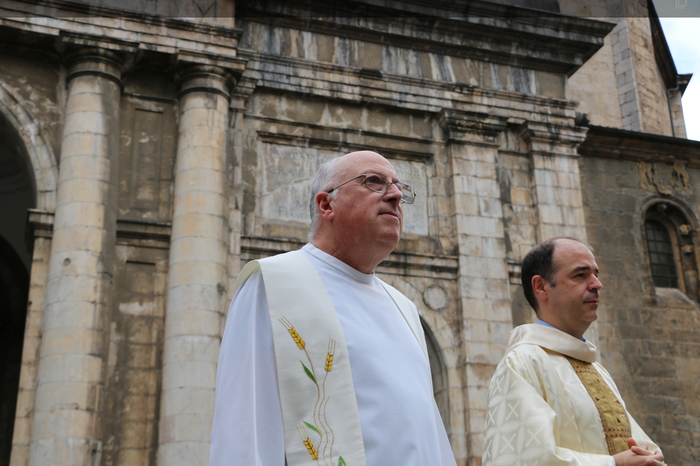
<point x="379" y="184"/>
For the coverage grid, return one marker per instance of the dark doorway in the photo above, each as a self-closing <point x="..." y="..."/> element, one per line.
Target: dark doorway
<point x="16" y="197"/>
<point x="14" y="288"/>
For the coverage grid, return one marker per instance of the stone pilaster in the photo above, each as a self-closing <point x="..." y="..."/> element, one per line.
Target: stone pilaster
<point x="556" y="181"/>
<point x="70" y="380"/>
<point x="40" y="225"/>
<point x="196" y="296"/>
<point x="483" y="274"/>
<point x="556" y="184"/>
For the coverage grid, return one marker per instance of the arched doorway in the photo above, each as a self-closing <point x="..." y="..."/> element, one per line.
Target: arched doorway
<point x="438" y="372"/>
<point x="16" y="197"/>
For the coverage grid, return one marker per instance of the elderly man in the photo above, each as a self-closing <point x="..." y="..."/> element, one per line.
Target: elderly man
<point x="549" y="402"/>
<point x="321" y="362"/>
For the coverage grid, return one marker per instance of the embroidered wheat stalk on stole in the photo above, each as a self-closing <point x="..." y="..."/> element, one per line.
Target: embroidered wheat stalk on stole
<point x="327" y="437"/>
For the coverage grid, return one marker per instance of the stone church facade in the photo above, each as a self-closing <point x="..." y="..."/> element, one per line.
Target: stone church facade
<point x="149" y="150"/>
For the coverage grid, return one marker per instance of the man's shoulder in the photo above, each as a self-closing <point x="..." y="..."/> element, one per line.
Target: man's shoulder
<point x="289" y="265"/>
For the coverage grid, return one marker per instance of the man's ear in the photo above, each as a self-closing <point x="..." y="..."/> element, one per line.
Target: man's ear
<point x="540" y="287"/>
<point x="323" y="203"/>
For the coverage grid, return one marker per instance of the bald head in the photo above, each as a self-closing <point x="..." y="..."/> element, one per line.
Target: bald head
<point x="333" y="173"/>
<point x="358" y="224"/>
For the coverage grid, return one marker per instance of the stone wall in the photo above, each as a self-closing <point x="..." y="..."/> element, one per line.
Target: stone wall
<point x="186" y="149"/>
<point x="649" y="337"/>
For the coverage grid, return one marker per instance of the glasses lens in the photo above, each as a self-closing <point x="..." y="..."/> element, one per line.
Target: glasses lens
<point x="409" y="195"/>
<point x="375" y="182"/>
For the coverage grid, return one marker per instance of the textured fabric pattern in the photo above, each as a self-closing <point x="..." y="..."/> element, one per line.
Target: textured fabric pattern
<point x="612" y="415"/>
<point x="539" y="412"/>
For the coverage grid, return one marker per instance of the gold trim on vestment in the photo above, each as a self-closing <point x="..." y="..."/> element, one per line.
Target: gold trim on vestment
<point x="612" y="414"/>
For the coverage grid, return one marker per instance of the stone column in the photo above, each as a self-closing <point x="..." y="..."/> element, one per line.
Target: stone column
<point x="70" y="381"/>
<point x="196" y="299"/>
<point x="483" y="275"/>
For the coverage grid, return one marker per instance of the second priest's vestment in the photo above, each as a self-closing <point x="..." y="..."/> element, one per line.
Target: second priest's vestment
<point x="539" y="412"/>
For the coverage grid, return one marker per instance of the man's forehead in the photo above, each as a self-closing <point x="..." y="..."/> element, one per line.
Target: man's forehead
<point x="571" y="254"/>
<point x="359" y="163"/>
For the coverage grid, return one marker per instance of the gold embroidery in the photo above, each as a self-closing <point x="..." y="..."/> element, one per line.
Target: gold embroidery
<point x="307" y="442"/>
<point x="329" y="356"/>
<point x="612" y="414"/>
<point x="326" y="436"/>
<point x="293" y="332"/>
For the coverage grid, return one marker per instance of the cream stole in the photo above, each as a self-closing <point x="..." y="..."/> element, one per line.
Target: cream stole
<point x="319" y="408"/>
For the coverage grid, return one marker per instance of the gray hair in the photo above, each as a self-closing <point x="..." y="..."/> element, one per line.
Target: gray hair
<point x="326" y="176"/>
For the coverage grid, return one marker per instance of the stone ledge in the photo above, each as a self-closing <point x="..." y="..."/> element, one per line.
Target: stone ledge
<point x="138" y="232"/>
<point x="129" y="231"/>
<point x="349" y="139"/>
<point x="562" y="43"/>
<point x="304" y="76"/>
<point x="398" y="263"/>
<point x="643" y="147"/>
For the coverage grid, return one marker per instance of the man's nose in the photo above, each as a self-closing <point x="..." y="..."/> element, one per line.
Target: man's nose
<point x="596" y="284"/>
<point x="393" y="192"/>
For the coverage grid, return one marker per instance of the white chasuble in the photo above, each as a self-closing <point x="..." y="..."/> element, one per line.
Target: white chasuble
<point x="539" y="412"/>
<point x="388" y="367"/>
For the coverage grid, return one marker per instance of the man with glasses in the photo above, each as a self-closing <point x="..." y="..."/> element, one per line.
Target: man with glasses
<point x="321" y="362"/>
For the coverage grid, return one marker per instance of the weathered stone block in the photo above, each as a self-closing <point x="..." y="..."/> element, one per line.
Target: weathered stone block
<point x="193" y="322"/>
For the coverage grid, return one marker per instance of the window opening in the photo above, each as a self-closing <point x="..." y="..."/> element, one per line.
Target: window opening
<point x="661" y="258"/>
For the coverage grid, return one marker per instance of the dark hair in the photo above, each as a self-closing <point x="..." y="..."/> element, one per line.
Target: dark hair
<point x="539" y="262"/>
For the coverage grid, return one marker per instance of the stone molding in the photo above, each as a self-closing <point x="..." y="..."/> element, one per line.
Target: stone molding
<point x="346" y="139"/>
<point x="393" y="90"/>
<point x="642" y="147"/>
<point x="95" y="62"/>
<point x="33" y="133"/>
<point x="207" y="73"/>
<point x="40" y="224"/>
<point x="551" y="139"/>
<point x="157" y="34"/>
<point x="458" y="30"/>
<point x="400" y="263"/>
<point x="472" y="127"/>
<point x="205" y="78"/>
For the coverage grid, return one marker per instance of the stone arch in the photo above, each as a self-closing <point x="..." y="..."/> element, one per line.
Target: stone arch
<point x="682" y="226"/>
<point x="28" y="179"/>
<point x="34" y="147"/>
<point x="448" y="349"/>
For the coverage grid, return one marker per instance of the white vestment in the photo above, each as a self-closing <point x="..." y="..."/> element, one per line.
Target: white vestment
<point x="399" y="419"/>
<point x="539" y="412"/>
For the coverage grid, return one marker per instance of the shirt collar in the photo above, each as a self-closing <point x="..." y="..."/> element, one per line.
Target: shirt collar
<point x="542" y="322"/>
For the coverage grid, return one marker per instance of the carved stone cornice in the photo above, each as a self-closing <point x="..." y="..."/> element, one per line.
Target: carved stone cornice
<point x="476" y="29"/>
<point x="551" y="139"/>
<point x="474" y="127"/>
<point x="641" y="147"/>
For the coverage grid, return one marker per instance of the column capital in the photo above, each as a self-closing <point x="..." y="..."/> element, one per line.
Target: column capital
<point x="205" y="78"/>
<point x="97" y="56"/>
<point x="94" y="62"/>
<point x="196" y="71"/>
<point x="468" y="126"/>
<point x="552" y="139"/>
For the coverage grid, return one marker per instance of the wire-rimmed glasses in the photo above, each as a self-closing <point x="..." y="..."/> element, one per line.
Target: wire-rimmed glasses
<point x="379" y="184"/>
